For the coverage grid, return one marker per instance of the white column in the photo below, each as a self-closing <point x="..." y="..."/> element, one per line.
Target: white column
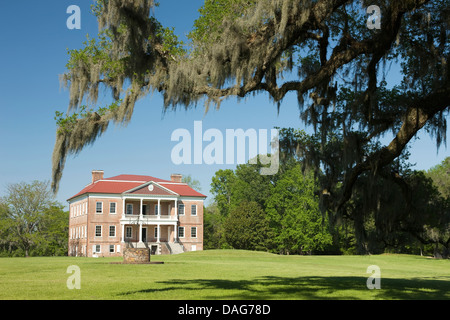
<point x="159" y="230"/>
<point x="123" y="233"/>
<point x="140" y="209"/>
<point x="124" y="210"/>
<point x="159" y="211"/>
<point x="175" y="232"/>
<point x="176" y="208"/>
<point x="140" y="232"/>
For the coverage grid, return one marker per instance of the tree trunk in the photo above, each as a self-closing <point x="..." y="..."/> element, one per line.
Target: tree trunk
<point x="437" y="254"/>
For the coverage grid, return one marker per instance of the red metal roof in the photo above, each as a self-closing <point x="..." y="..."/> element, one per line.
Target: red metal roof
<point x="124" y="182"/>
<point x="182" y="189"/>
<point x="133" y="177"/>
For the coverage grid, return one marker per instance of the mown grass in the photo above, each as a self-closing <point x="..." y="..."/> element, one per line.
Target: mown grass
<point x="227" y="274"/>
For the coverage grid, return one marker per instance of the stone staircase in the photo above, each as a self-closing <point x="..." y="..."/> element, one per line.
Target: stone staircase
<point x="174" y="247"/>
<point x="162" y="248"/>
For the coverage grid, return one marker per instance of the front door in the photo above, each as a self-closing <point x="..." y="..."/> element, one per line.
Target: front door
<point x="144" y="234"/>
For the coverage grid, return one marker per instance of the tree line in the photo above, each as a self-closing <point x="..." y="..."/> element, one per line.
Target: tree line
<point x="32" y="223"/>
<point x="407" y="211"/>
<point x="401" y="210"/>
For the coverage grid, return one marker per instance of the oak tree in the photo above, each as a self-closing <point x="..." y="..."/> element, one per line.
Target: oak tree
<point x="320" y="50"/>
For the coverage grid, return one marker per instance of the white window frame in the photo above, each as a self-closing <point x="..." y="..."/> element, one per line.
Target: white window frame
<point x="97" y="248"/>
<point x="101" y="231"/>
<point x="126" y="232"/>
<point x="194" y="206"/>
<point x="194" y="228"/>
<point x="180" y="233"/>
<point x="96" y="207"/>
<point x="114" y="228"/>
<point x="126" y="209"/>
<point x="156" y="211"/>
<point x="113" y="247"/>
<point x="115" y="207"/>
<point x="181" y="212"/>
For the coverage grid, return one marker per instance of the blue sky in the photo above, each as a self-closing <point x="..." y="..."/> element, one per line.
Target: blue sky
<point x="33" y="53"/>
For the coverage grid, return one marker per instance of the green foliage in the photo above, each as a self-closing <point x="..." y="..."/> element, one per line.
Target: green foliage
<point x="246" y="227"/>
<point x="278" y="213"/>
<point x="213" y="233"/>
<point x="31" y="222"/>
<point x="440" y="174"/>
<point x="209" y="26"/>
<point x="222" y="189"/>
<point x="395" y="210"/>
<point x="193" y="183"/>
<point x="294" y="215"/>
<point x="67" y="122"/>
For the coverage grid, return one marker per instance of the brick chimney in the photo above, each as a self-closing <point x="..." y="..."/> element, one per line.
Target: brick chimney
<point x="97" y="175"/>
<point x="175" y="177"/>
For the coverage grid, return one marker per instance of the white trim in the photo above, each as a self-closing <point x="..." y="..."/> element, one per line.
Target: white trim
<point x="191" y="198"/>
<point x="79" y="198"/>
<point x="147" y="184"/>
<point x="178" y="183"/>
<point x="149" y="197"/>
<point x="105" y="195"/>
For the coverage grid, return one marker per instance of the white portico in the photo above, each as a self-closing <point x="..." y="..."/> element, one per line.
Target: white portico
<point x="149" y="217"/>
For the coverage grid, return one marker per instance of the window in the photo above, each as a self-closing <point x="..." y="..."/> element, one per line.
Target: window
<point x="181" y="232"/>
<point x="111" y="248"/>
<point x="194" y="210"/>
<point x="112" y="231"/>
<point x="156" y="210"/>
<point x="129" y="208"/>
<point x="99" y="207"/>
<point x="194" y="232"/>
<point x="112" y="208"/>
<point x="128" y="232"/>
<point x="156" y="232"/>
<point x="144" y="209"/>
<point x="181" y="209"/>
<point x="97" y="248"/>
<point x="98" y="231"/>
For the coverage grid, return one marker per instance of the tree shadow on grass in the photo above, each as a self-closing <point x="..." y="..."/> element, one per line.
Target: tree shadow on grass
<point x="309" y="288"/>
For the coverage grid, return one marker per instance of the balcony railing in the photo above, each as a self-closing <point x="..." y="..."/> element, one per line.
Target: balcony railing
<point x="149" y="217"/>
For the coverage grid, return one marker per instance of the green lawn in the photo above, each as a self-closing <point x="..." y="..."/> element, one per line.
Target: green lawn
<point x="227" y="274"/>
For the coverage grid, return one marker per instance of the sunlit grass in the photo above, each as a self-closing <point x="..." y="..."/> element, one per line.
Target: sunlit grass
<point x="227" y="274"/>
